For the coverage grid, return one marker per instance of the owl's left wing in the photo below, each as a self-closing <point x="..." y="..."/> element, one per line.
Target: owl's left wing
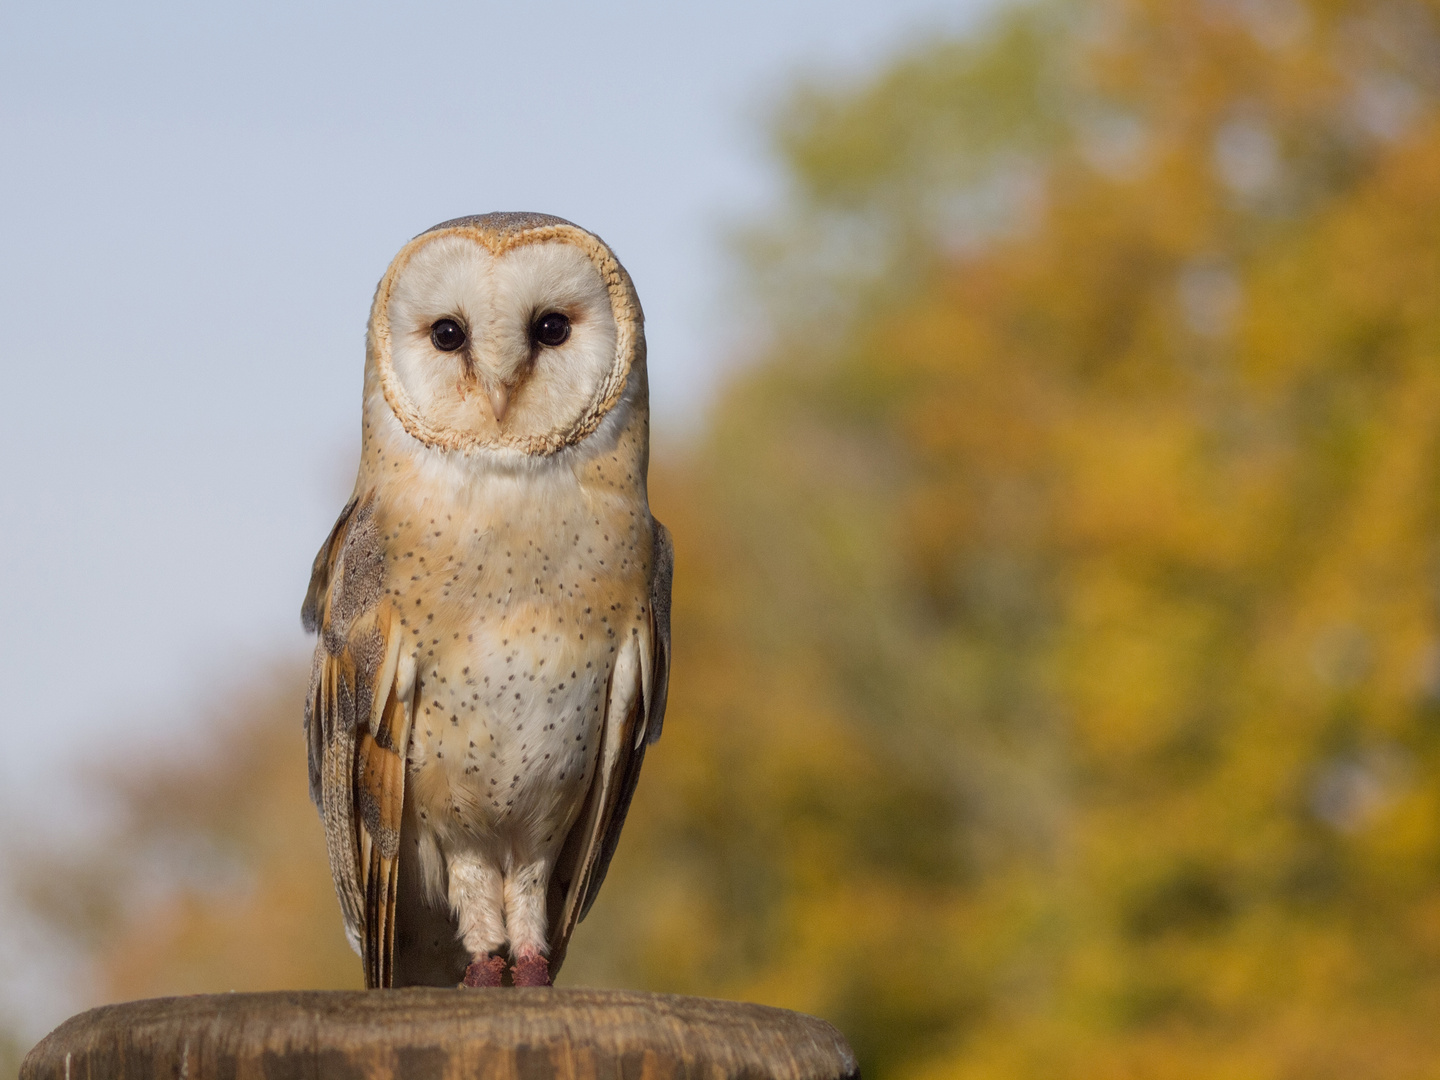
<point x="357" y="720"/>
<point x="635" y="712"/>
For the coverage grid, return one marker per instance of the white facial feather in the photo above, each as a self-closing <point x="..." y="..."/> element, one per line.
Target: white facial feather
<point x="539" y="278"/>
<point x="446" y="279"/>
<point x="497" y="299"/>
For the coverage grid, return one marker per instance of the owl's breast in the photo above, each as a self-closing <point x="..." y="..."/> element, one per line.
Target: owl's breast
<point x="516" y="625"/>
<point x="505" y="739"/>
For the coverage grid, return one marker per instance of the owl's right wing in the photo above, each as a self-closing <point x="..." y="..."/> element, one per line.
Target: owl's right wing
<point x="634" y="715"/>
<point x="357" y="720"/>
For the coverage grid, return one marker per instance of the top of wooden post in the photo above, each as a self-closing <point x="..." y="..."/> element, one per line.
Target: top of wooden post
<point x="505" y="1034"/>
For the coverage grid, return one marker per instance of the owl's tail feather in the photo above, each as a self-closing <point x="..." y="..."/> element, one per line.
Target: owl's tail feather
<point x="381" y="887"/>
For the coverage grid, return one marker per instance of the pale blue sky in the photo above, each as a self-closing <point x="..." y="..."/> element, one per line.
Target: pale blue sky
<point x="195" y="204"/>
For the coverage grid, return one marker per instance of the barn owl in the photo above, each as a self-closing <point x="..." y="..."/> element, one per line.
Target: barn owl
<point x="492" y="606"/>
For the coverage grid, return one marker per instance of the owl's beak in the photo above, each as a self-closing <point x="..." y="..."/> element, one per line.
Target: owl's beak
<point x="499" y="396"/>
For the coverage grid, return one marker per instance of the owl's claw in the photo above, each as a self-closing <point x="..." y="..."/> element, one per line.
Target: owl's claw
<point x="485" y="972"/>
<point x="531" y="971"/>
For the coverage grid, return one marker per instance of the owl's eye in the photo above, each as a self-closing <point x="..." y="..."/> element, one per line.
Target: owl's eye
<point x="552" y="329"/>
<point x="447" y="335"/>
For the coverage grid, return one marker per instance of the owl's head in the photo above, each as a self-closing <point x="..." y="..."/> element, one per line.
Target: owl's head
<point x="515" y="331"/>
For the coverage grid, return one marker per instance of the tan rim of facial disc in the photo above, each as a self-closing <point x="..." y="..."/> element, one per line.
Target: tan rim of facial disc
<point x="498" y="241"/>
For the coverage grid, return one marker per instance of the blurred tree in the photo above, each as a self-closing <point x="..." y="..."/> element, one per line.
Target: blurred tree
<point x="1059" y="625"/>
<point x="12" y="1051"/>
<point x="1057" y="680"/>
<point x="210" y="872"/>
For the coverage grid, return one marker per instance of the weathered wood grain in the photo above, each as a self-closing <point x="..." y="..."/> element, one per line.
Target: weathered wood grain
<point x="502" y="1034"/>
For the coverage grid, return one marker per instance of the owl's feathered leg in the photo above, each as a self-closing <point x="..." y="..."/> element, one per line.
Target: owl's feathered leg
<point x="525" y="920"/>
<point x="477" y="896"/>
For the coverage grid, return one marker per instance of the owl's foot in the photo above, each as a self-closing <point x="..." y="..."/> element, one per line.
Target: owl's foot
<point x="531" y="971"/>
<point x="485" y="972"/>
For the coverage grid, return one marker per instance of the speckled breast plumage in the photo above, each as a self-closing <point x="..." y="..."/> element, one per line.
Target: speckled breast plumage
<point x="515" y="639"/>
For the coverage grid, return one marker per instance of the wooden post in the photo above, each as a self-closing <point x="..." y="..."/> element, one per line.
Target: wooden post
<point x="502" y="1034"/>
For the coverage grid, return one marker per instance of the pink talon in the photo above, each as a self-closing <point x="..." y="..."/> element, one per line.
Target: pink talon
<point x="485" y="972"/>
<point x="532" y="971"/>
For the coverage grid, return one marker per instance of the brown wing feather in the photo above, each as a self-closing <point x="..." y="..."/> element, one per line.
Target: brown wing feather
<point x="380" y="795"/>
<point x="318" y="592"/>
<point x="585" y="859"/>
<point x="359" y="731"/>
<point x="660" y="587"/>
